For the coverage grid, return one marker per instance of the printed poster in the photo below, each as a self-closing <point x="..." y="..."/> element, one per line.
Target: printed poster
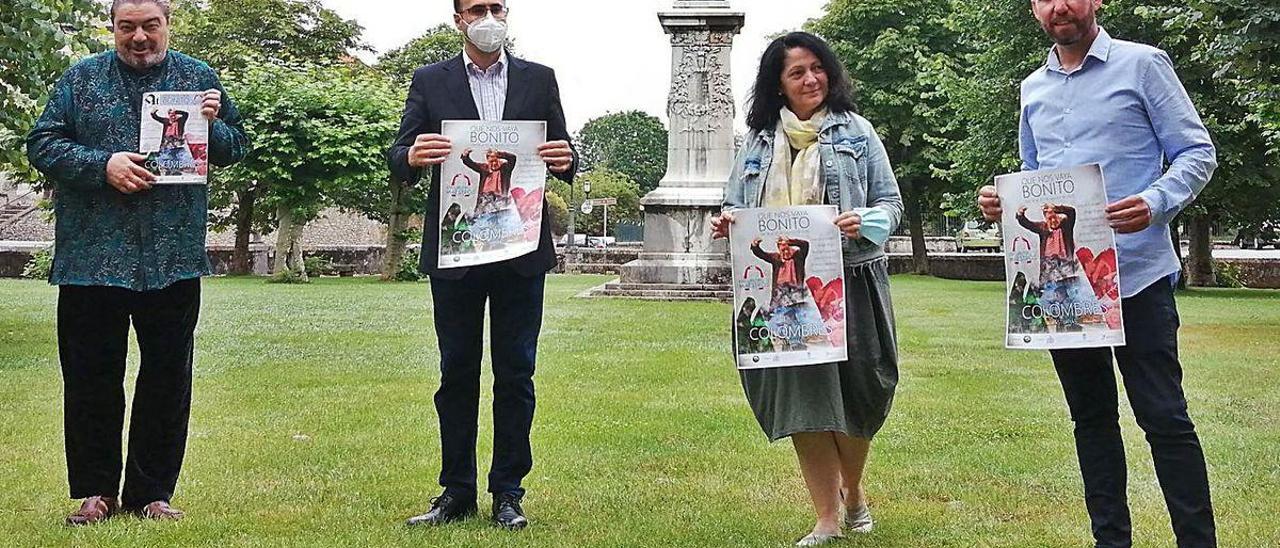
<point x="491" y="191"/>
<point x="788" y="290"/>
<point x="174" y="137"/>
<point x="1062" y="274"/>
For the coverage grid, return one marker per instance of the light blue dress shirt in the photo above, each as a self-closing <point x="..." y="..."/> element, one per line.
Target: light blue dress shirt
<point x="1125" y="109"/>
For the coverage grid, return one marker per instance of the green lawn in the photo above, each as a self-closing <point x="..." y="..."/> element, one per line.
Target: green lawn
<point x="314" y="426"/>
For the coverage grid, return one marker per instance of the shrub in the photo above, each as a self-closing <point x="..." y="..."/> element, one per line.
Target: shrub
<point x="408" y="271"/>
<point x="40" y="265"/>
<point x="317" y="266"/>
<point x="1227" y="274"/>
<point x="288" y="277"/>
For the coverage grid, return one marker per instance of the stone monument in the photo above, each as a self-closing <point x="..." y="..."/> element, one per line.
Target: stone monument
<point x="680" y="260"/>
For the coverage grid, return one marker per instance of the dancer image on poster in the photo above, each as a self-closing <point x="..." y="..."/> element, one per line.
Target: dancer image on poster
<point x="752" y="323"/>
<point x="495" y="178"/>
<point x="1060" y="283"/>
<point x="1057" y="241"/>
<point x="791" y="306"/>
<point x="174" y="156"/>
<point x="453" y="226"/>
<point x="1022" y="299"/>
<point x="496" y="220"/>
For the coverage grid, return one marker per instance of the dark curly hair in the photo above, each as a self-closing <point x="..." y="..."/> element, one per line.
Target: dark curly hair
<point x="766" y="96"/>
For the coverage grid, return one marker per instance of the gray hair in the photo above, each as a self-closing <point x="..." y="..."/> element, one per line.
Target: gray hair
<point x="163" y="4"/>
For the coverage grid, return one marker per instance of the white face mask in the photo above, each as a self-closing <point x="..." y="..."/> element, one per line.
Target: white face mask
<point x="488" y="34"/>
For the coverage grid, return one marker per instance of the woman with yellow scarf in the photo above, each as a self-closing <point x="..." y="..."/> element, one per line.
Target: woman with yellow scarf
<point x="806" y="146"/>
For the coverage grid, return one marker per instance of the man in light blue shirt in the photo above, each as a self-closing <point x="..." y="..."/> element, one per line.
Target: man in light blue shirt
<point x="1120" y="104"/>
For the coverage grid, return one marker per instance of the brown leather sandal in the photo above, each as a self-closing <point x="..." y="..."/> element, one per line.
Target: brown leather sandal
<point x="94" y="510"/>
<point x="160" y="511"/>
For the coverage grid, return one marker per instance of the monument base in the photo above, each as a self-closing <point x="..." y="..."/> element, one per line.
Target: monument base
<point x="698" y="269"/>
<point x="680" y="260"/>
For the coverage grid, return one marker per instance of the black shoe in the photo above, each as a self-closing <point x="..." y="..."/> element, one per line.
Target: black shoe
<point x="446" y="508"/>
<point x="507" y="512"/>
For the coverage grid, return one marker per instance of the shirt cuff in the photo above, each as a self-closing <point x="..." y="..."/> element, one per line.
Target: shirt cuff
<point x="1155" y="202"/>
<point x="220" y="131"/>
<point x="99" y="159"/>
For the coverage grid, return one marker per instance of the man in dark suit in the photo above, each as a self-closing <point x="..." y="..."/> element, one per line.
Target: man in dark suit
<point x="483" y="83"/>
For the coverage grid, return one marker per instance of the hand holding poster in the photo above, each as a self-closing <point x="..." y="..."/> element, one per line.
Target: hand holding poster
<point x="175" y="137"/>
<point x="491" y="191"/>
<point x="1060" y="260"/>
<point x="788" y="290"/>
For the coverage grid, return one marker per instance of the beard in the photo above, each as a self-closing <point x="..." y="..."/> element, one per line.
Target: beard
<point x="141" y="60"/>
<point x="1075" y="31"/>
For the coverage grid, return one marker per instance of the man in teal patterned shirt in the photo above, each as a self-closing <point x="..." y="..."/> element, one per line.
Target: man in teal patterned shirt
<point x="127" y="251"/>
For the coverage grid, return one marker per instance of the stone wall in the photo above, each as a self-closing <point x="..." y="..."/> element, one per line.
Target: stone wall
<point x="1257" y="273"/>
<point x="367" y="260"/>
<point x="15" y="255"/>
<point x="934" y="244"/>
<point x="351" y="259"/>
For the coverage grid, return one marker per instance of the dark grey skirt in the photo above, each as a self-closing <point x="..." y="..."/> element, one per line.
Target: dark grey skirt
<point x="853" y="396"/>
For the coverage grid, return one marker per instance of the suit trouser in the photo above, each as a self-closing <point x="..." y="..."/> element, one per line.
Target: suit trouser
<point x="515" y="310"/>
<point x="1153" y="382"/>
<point x="93" y="340"/>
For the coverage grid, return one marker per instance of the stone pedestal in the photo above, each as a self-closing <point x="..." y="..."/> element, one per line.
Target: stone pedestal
<point x="678" y="249"/>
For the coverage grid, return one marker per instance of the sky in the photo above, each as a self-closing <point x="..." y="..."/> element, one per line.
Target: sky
<point x="609" y="55"/>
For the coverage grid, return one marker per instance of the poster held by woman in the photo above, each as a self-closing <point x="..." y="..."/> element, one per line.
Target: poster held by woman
<point x="788" y="287"/>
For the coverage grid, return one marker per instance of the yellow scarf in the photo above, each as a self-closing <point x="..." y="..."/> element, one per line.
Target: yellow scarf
<point x="797" y="182"/>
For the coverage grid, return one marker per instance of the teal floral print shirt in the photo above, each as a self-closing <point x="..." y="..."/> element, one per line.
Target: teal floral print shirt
<point x="142" y="241"/>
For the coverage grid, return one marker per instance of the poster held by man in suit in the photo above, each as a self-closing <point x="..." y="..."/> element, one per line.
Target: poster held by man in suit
<point x="492" y="192"/>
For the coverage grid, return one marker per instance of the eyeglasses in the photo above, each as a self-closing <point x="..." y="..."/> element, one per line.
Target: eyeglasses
<point x="479" y="10"/>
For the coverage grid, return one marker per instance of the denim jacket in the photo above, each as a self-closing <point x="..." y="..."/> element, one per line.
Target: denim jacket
<point x="855" y="168"/>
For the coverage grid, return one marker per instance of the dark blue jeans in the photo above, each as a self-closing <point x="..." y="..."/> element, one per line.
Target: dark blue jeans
<point x="1153" y="382"/>
<point x="515" y="311"/>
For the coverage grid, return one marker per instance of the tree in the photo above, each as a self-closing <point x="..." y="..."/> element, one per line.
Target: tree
<point x="604" y="184"/>
<point x="403" y="201"/>
<point x="632" y="143"/>
<point x="1230" y="49"/>
<point x="231" y="34"/>
<point x="319" y="135"/>
<point x="39" y="40"/>
<point x="884" y="44"/>
<point x="999" y="45"/>
<point x="234" y="35"/>
<point x="437" y="44"/>
<point x="1004" y="44"/>
<point x="559" y="210"/>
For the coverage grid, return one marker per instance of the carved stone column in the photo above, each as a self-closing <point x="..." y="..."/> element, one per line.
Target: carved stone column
<point x="678" y="249"/>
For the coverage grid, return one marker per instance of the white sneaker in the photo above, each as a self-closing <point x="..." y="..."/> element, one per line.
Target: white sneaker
<point x="818" y="539"/>
<point x="858" y="519"/>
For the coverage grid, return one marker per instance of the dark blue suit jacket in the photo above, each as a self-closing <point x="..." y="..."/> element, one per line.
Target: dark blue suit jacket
<point x="441" y="92"/>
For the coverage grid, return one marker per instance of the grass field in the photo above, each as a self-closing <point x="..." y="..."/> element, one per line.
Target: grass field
<point x="313" y="425"/>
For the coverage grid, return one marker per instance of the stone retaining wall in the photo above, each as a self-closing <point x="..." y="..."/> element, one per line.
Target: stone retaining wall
<point x="367" y="260"/>
<point x="1257" y="273"/>
<point x="356" y="259"/>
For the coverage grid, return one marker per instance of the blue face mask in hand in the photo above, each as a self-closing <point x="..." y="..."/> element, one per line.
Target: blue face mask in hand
<point x="875" y="224"/>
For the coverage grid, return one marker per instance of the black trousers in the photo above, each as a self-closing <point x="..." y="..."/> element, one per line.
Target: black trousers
<point x="93" y="339"/>
<point x="515" y="311"/>
<point x="1153" y="382"/>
